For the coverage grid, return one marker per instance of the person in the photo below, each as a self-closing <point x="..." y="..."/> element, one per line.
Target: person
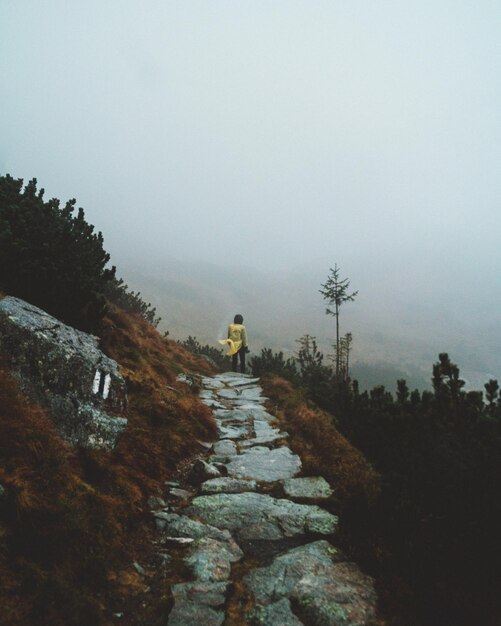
<point x="237" y="342"/>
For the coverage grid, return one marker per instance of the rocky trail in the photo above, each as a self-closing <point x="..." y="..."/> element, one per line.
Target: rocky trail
<point x="252" y="538"/>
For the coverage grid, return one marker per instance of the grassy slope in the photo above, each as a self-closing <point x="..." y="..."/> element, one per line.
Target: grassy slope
<point x="72" y="522"/>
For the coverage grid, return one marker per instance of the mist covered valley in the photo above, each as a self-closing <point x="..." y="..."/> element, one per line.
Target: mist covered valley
<point x="399" y="326"/>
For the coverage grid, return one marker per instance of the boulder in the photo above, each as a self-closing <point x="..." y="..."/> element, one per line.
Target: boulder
<point x="64" y="371"/>
<point x="325" y="590"/>
<point x="261" y="463"/>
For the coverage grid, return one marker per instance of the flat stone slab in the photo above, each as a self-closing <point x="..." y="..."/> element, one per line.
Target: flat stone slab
<point x="327" y="591"/>
<point x="311" y="487"/>
<point x="206" y="394"/>
<point x="259" y="516"/>
<point x="240" y="402"/>
<point x="212" y="403"/>
<point x="228" y="377"/>
<point x="261" y="441"/>
<point x="210" y="383"/>
<point x="263" y="464"/>
<point x="255" y="410"/>
<point x="225" y="449"/>
<point x="211" y="550"/>
<point x="232" y="431"/>
<point x="251" y="394"/>
<point x="182" y="526"/>
<point x="227" y="485"/>
<point x="262" y="427"/>
<point x="198" y="603"/>
<point x="233" y="415"/>
<point x="238" y="382"/>
<point x="242" y="394"/>
<point x="228" y="394"/>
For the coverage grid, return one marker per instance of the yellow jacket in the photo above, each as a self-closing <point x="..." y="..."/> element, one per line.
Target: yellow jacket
<point x="237" y="337"/>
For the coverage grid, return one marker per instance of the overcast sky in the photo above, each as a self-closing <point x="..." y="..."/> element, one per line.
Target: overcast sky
<point x="264" y="133"/>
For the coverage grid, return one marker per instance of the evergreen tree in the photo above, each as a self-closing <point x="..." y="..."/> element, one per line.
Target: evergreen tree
<point x="402" y="391"/>
<point x="274" y="363"/>
<point x="50" y="256"/>
<point x="335" y="291"/>
<point x="491" y="393"/>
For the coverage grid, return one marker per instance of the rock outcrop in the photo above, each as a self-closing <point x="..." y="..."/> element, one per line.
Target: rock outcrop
<point x="63" y="370"/>
<point x="323" y="589"/>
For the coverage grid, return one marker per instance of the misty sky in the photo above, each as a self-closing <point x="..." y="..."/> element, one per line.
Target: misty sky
<point x="264" y="133"/>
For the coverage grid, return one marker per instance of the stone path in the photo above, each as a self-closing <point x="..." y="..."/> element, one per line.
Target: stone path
<point x="248" y="505"/>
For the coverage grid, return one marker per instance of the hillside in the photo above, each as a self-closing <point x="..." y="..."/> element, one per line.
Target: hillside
<point x="75" y="523"/>
<point x="72" y="522"/>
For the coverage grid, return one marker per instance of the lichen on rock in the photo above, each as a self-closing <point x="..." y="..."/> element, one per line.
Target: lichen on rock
<point x="64" y="371"/>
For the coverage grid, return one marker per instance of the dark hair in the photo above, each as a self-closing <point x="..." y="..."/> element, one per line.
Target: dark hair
<point x="238" y="319"/>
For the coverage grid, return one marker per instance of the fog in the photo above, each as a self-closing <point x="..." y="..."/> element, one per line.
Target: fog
<point x="275" y="139"/>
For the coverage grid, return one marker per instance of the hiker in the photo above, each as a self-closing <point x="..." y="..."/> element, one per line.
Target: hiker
<point x="237" y="342"/>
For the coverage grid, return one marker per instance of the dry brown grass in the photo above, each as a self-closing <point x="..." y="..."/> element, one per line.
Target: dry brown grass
<point x="323" y="450"/>
<point x="165" y="417"/>
<point x="55" y="527"/>
<point x="72" y="522"/>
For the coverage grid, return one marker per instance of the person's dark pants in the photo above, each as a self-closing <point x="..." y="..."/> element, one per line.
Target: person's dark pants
<point x="234" y="360"/>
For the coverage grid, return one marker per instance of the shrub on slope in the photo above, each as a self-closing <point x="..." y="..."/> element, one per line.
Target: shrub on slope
<point x="51" y="256"/>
